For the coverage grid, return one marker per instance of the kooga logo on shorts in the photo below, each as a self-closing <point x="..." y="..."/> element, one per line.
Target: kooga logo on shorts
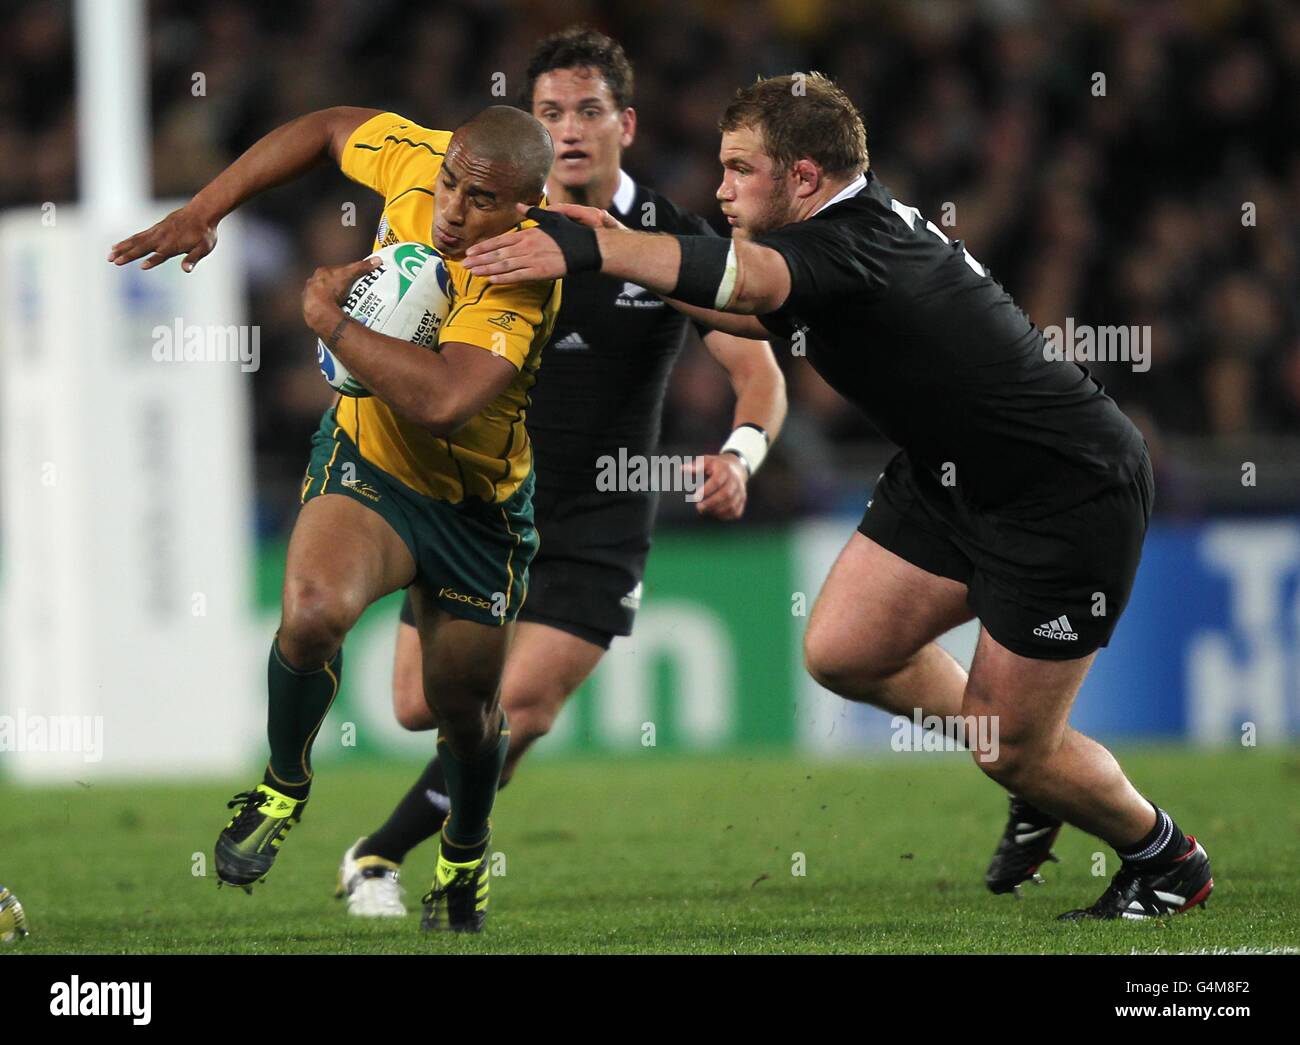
<point x="473" y="600"/>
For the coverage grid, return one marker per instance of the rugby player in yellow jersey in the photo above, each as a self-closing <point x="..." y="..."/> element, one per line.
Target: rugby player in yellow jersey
<point x="601" y="394"/>
<point x="425" y="485"/>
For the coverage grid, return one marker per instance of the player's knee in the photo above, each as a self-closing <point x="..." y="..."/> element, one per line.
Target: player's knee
<point x="466" y="725"/>
<point x="409" y="705"/>
<point x="1010" y="762"/>
<point x="315" y="621"/>
<point x="857" y="674"/>
<point x="532" y="713"/>
<point x="821" y="659"/>
<point x="413" y="719"/>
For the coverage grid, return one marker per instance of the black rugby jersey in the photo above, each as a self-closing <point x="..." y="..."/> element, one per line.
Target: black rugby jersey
<point x="905" y="324"/>
<point x="604" y="370"/>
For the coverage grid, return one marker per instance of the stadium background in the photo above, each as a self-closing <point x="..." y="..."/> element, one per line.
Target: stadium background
<point x="1124" y="209"/>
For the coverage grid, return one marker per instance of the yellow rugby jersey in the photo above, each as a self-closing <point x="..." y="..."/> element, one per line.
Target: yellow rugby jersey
<point x="491" y="456"/>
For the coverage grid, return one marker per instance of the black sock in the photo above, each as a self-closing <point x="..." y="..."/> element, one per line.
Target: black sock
<point x="418" y="816"/>
<point x="1163" y="844"/>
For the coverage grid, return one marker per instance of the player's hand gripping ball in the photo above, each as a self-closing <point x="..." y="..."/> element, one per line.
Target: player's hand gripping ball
<point x="408" y="297"/>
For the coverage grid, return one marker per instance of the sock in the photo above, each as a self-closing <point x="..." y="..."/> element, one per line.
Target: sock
<point x="1163" y="844"/>
<point x="438" y="781"/>
<point x="297" y="704"/>
<point x="472" y="788"/>
<point x="419" y="815"/>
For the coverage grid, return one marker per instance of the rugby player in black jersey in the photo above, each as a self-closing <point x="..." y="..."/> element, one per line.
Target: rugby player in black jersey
<point x="1020" y="494"/>
<point x="600" y="390"/>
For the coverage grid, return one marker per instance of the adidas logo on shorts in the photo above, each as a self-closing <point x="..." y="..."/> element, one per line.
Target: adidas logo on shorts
<point x="1057" y="629"/>
<point x="632" y="600"/>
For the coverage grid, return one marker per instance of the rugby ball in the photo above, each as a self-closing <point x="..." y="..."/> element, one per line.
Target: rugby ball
<point x="13" y="922"/>
<point x="406" y="297"/>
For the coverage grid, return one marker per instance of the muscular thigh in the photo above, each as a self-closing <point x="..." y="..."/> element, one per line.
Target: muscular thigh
<point x="346" y="552"/>
<point x="546" y="665"/>
<point x="462" y="659"/>
<point x="877" y="609"/>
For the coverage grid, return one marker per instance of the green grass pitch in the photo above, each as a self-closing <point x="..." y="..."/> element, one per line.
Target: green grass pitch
<point x="654" y="853"/>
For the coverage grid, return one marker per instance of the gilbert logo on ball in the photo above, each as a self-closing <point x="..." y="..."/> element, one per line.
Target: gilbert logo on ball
<point x="13" y="922"/>
<point x="407" y="297"/>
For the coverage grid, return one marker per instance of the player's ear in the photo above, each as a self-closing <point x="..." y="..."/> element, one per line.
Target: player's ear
<point x="627" y="122"/>
<point x="807" y="177"/>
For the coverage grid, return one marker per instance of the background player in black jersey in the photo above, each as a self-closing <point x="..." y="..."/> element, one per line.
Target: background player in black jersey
<point x="600" y="389"/>
<point x="1021" y="494"/>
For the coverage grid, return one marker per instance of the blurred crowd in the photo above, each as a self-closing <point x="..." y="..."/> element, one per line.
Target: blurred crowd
<point x="1113" y="162"/>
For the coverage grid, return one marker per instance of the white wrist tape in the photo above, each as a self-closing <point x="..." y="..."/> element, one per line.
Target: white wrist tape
<point x="750" y="442"/>
<point x="728" y="285"/>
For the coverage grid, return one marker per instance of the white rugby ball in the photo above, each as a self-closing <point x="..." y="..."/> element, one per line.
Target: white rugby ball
<point x="406" y="297"/>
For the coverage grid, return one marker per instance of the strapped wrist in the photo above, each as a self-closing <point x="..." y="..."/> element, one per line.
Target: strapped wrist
<point x="576" y="241"/>
<point x="749" y="443"/>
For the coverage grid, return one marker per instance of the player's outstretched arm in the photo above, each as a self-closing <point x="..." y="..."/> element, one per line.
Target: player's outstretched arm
<point x="727" y="322"/>
<point x="440" y="391"/>
<point x="286" y="153"/>
<point x="727" y="275"/>
<point x="753" y="279"/>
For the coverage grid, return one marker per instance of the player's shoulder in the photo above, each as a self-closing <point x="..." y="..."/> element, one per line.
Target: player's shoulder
<point x="645" y="209"/>
<point x="393" y="130"/>
<point x="869" y="205"/>
<point x="475" y="295"/>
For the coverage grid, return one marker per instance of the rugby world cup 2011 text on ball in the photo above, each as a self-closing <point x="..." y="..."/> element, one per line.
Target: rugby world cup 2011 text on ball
<point x="407" y="297"/>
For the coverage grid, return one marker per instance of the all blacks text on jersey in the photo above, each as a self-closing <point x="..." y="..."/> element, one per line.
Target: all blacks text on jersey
<point x="634" y="296"/>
